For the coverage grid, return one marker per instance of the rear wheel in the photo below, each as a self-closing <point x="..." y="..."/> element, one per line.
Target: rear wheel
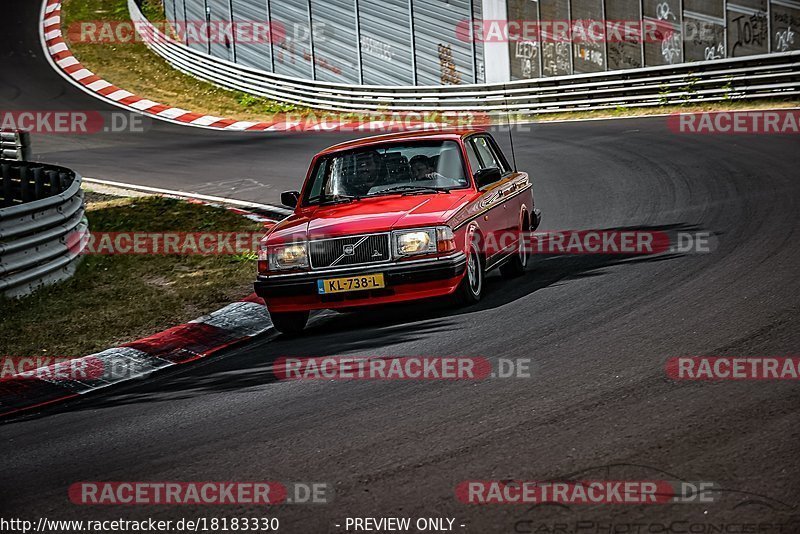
<point x="471" y="288"/>
<point x="289" y="322"/>
<point x="518" y="262"/>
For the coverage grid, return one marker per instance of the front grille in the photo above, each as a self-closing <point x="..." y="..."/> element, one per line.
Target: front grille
<point x="351" y="250"/>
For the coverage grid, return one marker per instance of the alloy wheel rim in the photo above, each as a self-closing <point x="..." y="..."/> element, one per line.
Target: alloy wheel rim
<point x="474" y="275"/>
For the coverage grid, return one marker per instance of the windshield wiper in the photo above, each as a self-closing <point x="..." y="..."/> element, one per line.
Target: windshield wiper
<point x="334" y="199"/>
<point x="409" y="189"/>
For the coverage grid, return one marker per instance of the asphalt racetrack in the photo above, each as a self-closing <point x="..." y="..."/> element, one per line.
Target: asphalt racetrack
<point x="597" y="329"/>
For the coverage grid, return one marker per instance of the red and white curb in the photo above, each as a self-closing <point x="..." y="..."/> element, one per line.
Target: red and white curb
<point x="64" y="62"/>
<point x="56" y="48"/>
<point x="181" y="344"/>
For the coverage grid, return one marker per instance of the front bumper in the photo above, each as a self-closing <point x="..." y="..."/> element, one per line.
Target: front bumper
<point x="405" y="280"/>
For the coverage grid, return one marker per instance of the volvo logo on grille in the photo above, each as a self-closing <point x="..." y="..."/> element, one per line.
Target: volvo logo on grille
<point x="349" y="253"/>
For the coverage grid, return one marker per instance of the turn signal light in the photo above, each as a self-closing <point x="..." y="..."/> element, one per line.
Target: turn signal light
<point x="445" y="240"/>
<point x="263" y="262"/>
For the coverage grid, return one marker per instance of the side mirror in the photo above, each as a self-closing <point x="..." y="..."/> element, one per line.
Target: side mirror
<point x="290" y="198"/>
<point x="487" y="176"/>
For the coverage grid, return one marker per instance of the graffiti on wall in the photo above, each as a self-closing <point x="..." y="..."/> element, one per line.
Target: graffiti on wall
<point x="703" y="40"/>
<point x="785" y="21"/>
<point x="447" y="66"/>
<point x="671" y="47"/>
<point x="555" y="58"/>
<point x="747" y="34"/>
<point x="527" y="53"/>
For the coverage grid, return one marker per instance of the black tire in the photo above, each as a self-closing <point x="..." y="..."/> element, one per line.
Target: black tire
<point x="518" y="263"/>
<point x="471" y="288"/>
<point x="289" y="323"/>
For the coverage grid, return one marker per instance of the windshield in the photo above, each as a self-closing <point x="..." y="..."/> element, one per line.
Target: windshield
<point x="407" y="168"/>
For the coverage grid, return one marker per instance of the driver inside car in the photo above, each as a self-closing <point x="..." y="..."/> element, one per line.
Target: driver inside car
<point x="422" y="169"/>
<point x="369" y="172"/>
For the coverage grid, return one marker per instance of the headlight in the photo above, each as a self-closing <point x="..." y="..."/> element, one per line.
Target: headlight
<point x="415" y="242"/>
<point x="424" y="241"/>
<point x="291" y="256"/>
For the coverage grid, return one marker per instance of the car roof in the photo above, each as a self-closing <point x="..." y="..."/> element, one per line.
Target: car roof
<point x="452" y="134"/>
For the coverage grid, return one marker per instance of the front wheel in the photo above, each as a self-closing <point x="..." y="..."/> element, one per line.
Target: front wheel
<point x="471" y="288"/>
<point x="289" y="322"/>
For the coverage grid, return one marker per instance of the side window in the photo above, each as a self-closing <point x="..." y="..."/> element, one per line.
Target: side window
<point x="474" y="162"/>
<point x="485" y="153"/>
<point x="502" y="164"/>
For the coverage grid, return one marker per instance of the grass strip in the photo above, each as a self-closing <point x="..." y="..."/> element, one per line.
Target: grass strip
<point x="113" y="299"/>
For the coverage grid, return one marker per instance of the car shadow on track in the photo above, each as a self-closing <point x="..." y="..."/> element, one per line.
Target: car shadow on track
<point x="364" y="332"/>
<point x="542" y="272"/>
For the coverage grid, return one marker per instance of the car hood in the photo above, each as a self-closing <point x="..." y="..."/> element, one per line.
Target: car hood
<point x="382" y="213"/>
<point x="379" y="214"/>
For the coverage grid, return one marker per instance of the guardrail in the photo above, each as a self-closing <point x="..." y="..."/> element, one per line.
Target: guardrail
<point x="43" y="229"/>
<point x="761" y="76"/>
<point x="15" y="145"/>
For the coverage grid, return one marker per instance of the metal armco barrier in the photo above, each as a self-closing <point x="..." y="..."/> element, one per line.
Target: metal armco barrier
<point x="43" y="229"/>
<point x="15" y="145"/>
<point x="751" y="77"/>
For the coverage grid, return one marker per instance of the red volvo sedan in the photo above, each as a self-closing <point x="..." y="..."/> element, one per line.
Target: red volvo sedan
<point x="394" y="218"/>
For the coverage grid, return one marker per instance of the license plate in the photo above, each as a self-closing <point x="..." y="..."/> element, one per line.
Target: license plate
<point x="350" y="283"/>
